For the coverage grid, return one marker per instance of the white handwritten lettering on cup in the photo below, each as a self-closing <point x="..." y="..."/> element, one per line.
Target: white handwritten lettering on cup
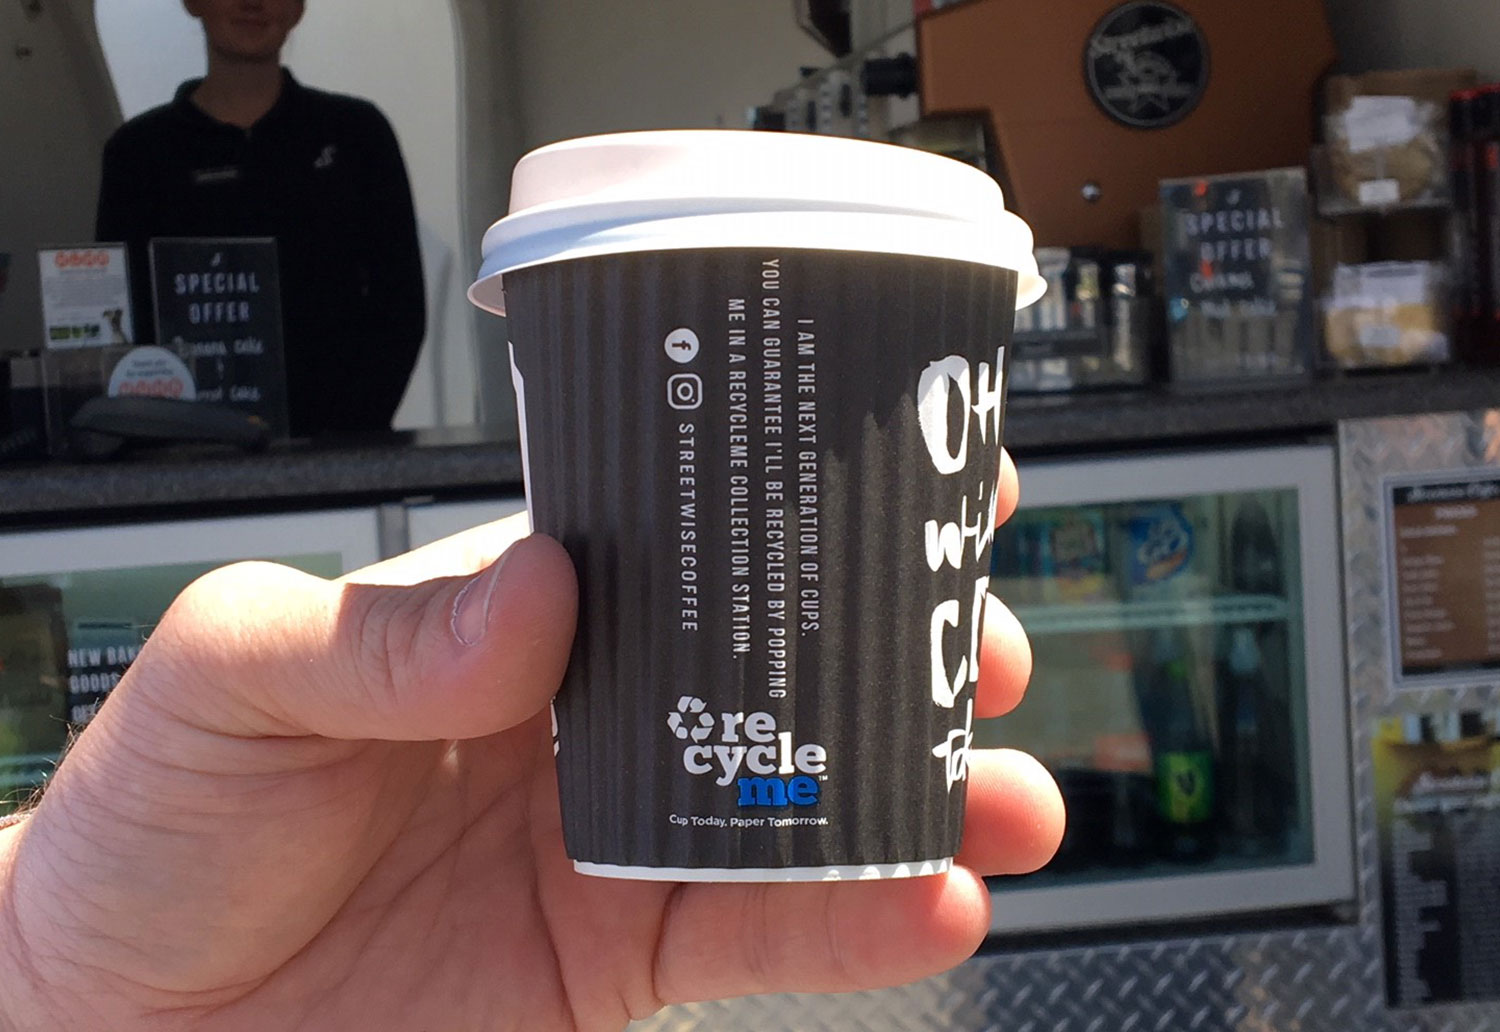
<point x="980" y="394"/>
<point x="981" y="402"/>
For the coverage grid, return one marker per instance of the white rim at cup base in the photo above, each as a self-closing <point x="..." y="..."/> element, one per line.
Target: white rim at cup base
<point x="851" y="872"/>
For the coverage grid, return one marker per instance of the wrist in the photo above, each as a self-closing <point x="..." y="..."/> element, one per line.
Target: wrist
<point x="20" y="994"/>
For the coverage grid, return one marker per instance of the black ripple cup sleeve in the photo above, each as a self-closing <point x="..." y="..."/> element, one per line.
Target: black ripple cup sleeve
<point x="774" y="468"/>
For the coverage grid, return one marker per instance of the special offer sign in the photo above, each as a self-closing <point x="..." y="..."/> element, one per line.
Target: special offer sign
<point x="85" y="296"/>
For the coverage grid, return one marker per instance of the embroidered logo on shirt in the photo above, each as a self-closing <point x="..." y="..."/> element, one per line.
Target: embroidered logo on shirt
<point x="223" y="174"/>
<point x="325" y="160"/>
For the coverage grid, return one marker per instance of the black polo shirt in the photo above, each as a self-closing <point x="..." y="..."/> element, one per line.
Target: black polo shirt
<point x="322" y="174"/>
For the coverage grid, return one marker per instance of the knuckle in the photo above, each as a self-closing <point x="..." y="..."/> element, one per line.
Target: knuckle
<point x="224" y="630"/>
<point x="384" y="640"/>
<point x="221" y="587"/>
<point x="212" y="608"/>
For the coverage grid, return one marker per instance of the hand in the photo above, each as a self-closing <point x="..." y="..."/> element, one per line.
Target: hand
<point x="312" y="805"/>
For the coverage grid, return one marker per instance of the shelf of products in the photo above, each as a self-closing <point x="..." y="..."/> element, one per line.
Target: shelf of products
<point x="1143" y="615"/>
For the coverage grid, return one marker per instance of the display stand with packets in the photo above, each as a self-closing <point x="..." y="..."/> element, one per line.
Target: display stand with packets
<point x="1380" y="314"/>
<point x="86" y="319"/>
<point x="215" y="373"/>
<point x="1395" y="260"/>
<point x="1386" y="140"/>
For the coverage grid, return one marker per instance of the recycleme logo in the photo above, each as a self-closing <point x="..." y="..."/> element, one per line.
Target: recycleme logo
<point x="751" y="754"/>
<point x="703" y="725"/>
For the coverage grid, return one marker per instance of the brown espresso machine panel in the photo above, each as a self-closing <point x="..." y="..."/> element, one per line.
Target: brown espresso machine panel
<point x="1092" y="102"/>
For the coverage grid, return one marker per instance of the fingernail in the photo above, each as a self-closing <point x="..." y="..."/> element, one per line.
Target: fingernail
<point x="471" y="609"/>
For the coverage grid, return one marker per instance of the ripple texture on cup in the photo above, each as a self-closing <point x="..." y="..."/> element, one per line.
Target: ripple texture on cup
<point x="769" y="672"/>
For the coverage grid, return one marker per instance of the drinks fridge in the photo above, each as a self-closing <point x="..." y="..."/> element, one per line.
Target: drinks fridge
<point x="1188" y="693"/>
<point x="76" y="605"/>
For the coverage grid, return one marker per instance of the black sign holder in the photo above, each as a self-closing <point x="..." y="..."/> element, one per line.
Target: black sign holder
<point x="218" y="306"/>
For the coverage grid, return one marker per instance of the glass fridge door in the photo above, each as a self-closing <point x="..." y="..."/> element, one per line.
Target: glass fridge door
<point x="76" y="605"/>
<point x="1188" y="685"/>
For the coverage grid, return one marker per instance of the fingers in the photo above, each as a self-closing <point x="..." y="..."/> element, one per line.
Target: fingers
<point x="1004" y="661"/>
<point x="838" y="938"/>
<point x="1013" y="820"/>
<point x="731" y="940"/>
<point x="463" y="553"/>
<point x="257" y="649"/>
<point x="1007" y="489"/>
<point x="1005" y="654"/>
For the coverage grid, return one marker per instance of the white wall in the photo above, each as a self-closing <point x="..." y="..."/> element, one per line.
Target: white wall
<point x="551" y="69"/>
<point x="402" y="56"/>
<point x="56" y="109"/>
<point x="1379" y="34"/>
<point x="589" y="66"/>
<point x="150" y="46"/>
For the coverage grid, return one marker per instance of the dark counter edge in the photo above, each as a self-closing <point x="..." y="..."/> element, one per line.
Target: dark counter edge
<point x="466" y="460"/>
<point x="471" y="460"/>
<point x="1085" y="423"/>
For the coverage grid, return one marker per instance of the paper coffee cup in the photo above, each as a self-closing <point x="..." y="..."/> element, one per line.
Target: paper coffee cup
<point x="761" y="384"/>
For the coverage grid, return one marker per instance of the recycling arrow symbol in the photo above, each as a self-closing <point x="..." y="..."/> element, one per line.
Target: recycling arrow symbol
<point x="690" y="720"/>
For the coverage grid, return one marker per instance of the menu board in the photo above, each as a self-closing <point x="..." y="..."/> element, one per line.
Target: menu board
<point x="218" y="307"/>
<point x="1445" y="569"/>
<point x="1437" y="805"/>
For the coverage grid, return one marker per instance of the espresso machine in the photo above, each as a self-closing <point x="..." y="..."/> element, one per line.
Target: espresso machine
<point x="1079" y="110"/>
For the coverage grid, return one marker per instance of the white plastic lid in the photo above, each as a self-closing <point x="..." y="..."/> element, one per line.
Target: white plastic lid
<point x="741" y="188"/>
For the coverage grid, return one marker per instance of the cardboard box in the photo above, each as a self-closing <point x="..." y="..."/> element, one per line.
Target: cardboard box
<point x="1429" y="84"/>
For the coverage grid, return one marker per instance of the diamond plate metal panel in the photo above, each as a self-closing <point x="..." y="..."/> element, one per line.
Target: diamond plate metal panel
<point x="1310" y="980"/>
<point x="1370" y="451"/>
<point x="1313" y="981"/>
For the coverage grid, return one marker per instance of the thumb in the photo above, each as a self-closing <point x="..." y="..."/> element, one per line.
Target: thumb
<point x="257" y="649"/>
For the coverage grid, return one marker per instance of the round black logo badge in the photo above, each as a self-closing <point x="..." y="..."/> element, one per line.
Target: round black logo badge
<point x="1147" y="64"/>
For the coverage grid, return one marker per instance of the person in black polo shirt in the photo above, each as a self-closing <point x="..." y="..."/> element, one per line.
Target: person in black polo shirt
<point x="248" y="151"/>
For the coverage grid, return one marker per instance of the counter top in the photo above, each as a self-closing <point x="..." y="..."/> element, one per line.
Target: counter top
<point x="1101" y="421"/>
<point x="473" y="460"/>
<point x="334" y="472"/>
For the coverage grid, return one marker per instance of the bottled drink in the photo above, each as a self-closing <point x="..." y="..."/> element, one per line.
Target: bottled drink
<point x="1255" y="559"/>
<point x="1252" y="819"/>
<point x="1183" y="754"/>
